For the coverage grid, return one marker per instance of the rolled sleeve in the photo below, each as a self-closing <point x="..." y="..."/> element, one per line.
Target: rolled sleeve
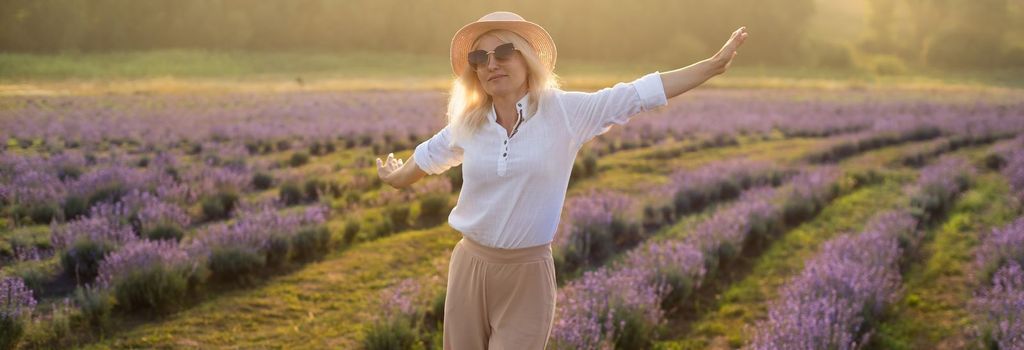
<point x="592" y="114"/>
<point x="651" y="90"/>
<point x="437" y="154"/>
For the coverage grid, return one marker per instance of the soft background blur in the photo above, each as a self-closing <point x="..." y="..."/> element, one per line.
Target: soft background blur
<point x="855" y="180"/>
<point x="946" y="39"/>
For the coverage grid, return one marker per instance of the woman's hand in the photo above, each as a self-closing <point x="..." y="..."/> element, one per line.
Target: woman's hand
<point x="388" y="167"/>
<point x="724" y="57"/>
<point x="683" y="79"/>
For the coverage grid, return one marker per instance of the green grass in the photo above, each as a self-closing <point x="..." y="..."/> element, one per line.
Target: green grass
<point x="212" y="64"/>
<point x="741" y="303"/>
<point x="27" y="236"/>
<point x="933" y="312"/>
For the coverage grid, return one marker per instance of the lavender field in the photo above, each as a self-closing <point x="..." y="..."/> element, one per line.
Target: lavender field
<point x="756" y="218"/>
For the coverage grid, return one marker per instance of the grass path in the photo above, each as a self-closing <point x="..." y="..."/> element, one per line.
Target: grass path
<point x="721" y="324"/>
<point x="933" y="313"/>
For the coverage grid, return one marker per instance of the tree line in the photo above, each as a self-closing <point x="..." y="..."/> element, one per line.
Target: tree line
<point x="960" y="33"/>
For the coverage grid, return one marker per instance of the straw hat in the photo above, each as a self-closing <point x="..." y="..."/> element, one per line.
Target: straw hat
<point x="539" y="38"/>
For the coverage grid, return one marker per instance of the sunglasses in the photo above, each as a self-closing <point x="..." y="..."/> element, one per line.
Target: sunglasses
<point x="502" y="53"/>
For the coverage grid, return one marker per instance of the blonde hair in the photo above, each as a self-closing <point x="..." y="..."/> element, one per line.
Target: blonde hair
<point x="468" y="103"/>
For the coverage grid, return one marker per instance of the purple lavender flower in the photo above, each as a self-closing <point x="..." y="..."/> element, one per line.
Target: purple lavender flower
<point x="722" y="235"/>
<point x="596" y="224"/>
<point x="1000" y="307"/>
<point x="947" y="176"/>
<point x="1002" y="245"/>
<point x="140" y="255"/>
<point x="16" y="299"/>
<point x="1014" y="172"/>
<point x="816" y="185"/>
<point x="695" y="189"/>
<point x="900" y="224"/>
<point x="33" y="187"/>
<point x="91" y="228"/>
<point x="738" y="170"/>
<point x="116" y="178"/>
<point x="848" y="283"/>
<point x="673" y="263"/>
<point x="31" y="253"/>
<point x="208" y="180"/>
<point x="938" y="185"/>
<point x="401" y="300"/>
<point x="809" y="322"/>
<point x="253" y="228"/>
<point x="593" y="310"/>
<point x="153" y="212"/>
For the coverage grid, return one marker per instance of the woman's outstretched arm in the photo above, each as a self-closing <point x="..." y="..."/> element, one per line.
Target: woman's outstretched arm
<point x="683" y="79"/>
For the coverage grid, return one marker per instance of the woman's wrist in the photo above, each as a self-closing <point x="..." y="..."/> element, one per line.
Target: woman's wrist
<point x="391" y="180"/>
<point x="399" y="178"/>
<point x="715" y="65"/>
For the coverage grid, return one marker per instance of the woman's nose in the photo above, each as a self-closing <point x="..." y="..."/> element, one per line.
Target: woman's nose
<point x="492" y="62"/>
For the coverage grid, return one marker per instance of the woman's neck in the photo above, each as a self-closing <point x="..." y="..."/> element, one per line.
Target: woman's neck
<point x="505" y="106"/>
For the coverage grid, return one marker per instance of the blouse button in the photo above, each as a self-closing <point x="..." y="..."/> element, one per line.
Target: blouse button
<point x="505" y="155"/>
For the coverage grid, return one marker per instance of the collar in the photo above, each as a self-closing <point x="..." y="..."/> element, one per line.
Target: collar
<point x="520" y="105"/>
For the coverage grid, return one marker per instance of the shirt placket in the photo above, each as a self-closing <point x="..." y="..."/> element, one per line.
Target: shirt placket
<point x="504" y="151"/>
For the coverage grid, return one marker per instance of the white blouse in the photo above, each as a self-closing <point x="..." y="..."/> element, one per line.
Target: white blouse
<point x="514" y="188"/>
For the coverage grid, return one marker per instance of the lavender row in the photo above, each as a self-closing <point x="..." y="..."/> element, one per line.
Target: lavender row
<point x="999" y="154"/>
<point x="1001" y="246"/>
<point x="873" y="140"/>
<point x="762" y="114"/>
<point x="406" y="117"/>
<point x="159" y="276"/>
<point x="113" y="263"/>
<point x="841" y="292"/>
<point x="87" y="242"/>
<point x="919" y="157"/>
<point x="156" y="121"/>
<point x="600" y="223"/>
<point x="624" y="305"/>
<point x="999" y="302"/>
<point x="17" y="304"/>
<point x="938" y="186"/>
<point x="1014" y="172"/>
<point x="63" y="187"/>
<point x="1000" y="306"/>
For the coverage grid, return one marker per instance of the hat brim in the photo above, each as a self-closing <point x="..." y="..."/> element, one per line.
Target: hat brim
<point x="539" y="38"/>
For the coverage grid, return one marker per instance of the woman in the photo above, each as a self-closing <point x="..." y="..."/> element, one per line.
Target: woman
<point x="517" y="135"/>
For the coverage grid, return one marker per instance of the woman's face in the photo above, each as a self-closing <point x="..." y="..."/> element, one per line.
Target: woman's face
<point x="501" y="78"/>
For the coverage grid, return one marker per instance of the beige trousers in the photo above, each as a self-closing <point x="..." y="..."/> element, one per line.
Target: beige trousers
<point x="499" y="298"/>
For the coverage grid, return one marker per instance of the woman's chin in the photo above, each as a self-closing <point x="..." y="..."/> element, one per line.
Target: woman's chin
<point x="498" y="88"/>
